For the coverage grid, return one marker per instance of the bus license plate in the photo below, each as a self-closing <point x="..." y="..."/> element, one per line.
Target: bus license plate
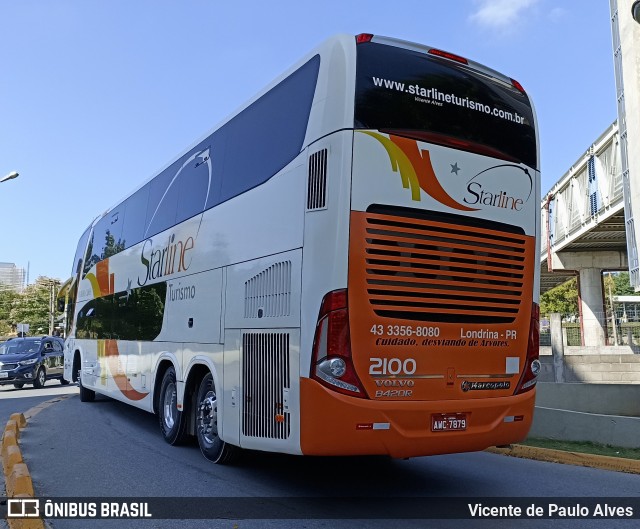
<point x="448" y="422"/>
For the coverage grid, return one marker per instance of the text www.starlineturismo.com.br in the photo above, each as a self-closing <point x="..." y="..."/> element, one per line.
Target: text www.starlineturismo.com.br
<point x="435" y="96"/>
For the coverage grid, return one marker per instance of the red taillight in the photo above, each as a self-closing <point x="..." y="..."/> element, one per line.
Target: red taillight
<point x="532" y="363"/>
<point x="335" y="300"/>
<point x="517" y="85"/>
<point x="447" y="55"/>
<point x="363" y="37"/>
<point x="331" y="362"/>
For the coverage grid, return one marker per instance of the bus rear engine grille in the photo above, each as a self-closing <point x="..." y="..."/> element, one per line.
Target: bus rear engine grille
<point x="439" y="271"/>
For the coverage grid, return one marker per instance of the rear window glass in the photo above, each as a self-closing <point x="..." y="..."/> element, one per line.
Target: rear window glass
<point x="400" y="89"/>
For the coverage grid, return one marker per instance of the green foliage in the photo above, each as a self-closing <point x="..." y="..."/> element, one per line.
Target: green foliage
<point x="562" y="299"/>
<point x="622" y="286"/>
<point x="7" y="299"/>
<point x="31" y="306"/>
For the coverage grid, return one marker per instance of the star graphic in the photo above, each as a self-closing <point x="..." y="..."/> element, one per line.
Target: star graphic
<point x="455" y="168"/>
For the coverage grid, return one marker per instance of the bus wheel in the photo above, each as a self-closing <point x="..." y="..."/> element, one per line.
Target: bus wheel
<point x="86" y="395"/>
<point x="211" y="446"/>
<point x="172" y="420"/>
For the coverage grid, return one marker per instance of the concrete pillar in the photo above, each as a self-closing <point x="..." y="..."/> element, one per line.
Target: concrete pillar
<point x="557" y="346"/>
<point x="593" y="324"/>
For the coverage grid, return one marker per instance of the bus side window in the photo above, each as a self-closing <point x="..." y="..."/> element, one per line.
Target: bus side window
<point x="268" y="134"/>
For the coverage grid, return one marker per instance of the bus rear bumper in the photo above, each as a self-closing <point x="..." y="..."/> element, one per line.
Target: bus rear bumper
<point x="335" y="424"/>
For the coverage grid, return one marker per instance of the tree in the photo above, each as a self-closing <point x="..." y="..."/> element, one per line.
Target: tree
<point x="32" y="306"/>
<point x="8" y="297"/>
<point x="622" y="285"/>
<point x="562" y="299"/>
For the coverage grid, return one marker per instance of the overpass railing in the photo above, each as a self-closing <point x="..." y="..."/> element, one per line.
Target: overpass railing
<point x="589" y="190"/>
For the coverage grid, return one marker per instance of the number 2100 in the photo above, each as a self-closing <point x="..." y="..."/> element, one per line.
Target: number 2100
<point x="392" y="366"/>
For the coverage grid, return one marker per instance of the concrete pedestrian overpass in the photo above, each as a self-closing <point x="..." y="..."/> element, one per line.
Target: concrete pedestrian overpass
<point x="583" y="230"/>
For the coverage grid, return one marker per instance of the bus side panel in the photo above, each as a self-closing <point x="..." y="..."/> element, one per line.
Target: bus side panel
<point x="231" y="394"/>
<point x="326" y="236"/>
<point x="139" y="380"/>
<point x="262" y="336"/>
<point x="264" y="293"/>
<point x="270" y="391"/>
<point x="193" y="308"/>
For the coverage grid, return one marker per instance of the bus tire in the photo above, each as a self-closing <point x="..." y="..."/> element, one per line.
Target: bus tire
<point x="172" y="420"/>
<point x="211" y="446"/>
<point x="86" y="395"/>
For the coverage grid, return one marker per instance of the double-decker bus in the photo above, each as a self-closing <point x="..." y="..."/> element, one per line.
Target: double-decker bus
<point x="347" y="265"/>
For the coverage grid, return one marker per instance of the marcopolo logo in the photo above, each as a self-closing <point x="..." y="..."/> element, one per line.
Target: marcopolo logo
<point x="483" y="386"/>
<point x="172" y="257"/>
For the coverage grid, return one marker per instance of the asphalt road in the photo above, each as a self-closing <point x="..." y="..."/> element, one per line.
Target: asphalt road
<point x="14" y="400"/>
<point x="108" y="449"/>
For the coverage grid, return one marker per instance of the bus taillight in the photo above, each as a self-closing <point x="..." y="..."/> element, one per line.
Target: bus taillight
<point x="363" y="37"/>
<point x="447" y="55"/>
<point x="331" y="363"/>
<point x="532" y="363"/>
<point x="517" y="85"/>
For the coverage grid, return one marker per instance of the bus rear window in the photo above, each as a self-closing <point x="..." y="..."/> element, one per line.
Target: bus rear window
<point x="410" y="93"/>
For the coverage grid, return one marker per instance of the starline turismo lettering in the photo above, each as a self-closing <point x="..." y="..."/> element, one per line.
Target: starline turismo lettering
<point x="174" y="256"/>
<point x="436" y="95"/>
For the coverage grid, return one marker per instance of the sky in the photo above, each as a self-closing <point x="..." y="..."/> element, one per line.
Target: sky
<point x="97" y="96"/>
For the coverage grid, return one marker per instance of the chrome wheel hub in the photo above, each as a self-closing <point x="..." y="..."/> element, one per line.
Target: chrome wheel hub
<point x="208" y="417"/>
<point x="169" y="407"/>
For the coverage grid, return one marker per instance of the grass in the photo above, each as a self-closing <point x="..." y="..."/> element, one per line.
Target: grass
<point x="585" y="447"/>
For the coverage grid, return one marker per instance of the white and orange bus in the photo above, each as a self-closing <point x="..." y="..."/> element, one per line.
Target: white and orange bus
<point x="347" y="265"/>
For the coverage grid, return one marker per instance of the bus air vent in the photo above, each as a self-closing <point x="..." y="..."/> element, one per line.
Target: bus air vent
<point x="268" y="294"/>
<point x="317" y="184"/>
<point x="444" y="268"/>
<point x="265" y="385"/>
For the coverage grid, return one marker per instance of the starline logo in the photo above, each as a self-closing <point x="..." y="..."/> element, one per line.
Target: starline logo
<point x="482" y="190"/>
<point x="416" y="170"/>
<point x="479" y="192"/>
<point x="498" y="200"/>
<point x="172" y="257"/>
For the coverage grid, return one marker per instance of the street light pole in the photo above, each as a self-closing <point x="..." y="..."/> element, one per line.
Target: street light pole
<point x="10" y="176"/>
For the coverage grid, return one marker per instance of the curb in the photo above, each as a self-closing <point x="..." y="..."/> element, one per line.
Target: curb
<point x="17" y="477"/>
<point x="616" y="464"/>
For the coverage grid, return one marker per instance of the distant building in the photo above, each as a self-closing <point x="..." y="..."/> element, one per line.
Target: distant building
<point x="11" y="276"/>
